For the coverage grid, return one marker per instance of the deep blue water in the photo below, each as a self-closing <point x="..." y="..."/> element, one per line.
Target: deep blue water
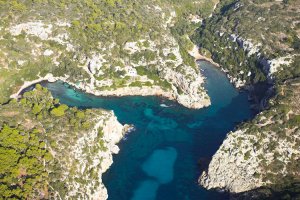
<point x="159" y="160"/>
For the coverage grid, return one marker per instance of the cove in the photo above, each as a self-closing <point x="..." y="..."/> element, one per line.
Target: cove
<point x="159" y="159"/>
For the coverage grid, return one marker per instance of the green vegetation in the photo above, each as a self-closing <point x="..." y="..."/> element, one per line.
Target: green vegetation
<point x="275" y="38"/>
<point x="82" y="29"/>
<point x="37" y="123"/>
<point x="294" y="121"/>
<point x="292" y="71"/>
<point x="23" y="155"/>
<point x="59" y="111"/>
<point x="37" y="135"/>
<point x="80" y="114"/>
<point x="279" y="124"/>
<point x="247" y="155"/>
<point x="273" y="26"/>
<point x="79" y="31"/>
<point x="153" y="75"/>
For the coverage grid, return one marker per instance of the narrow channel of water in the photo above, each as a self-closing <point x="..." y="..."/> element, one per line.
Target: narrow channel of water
<point x="159" y="160"/>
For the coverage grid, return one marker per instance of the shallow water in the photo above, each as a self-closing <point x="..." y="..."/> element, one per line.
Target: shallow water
<point x="159" y="160"/>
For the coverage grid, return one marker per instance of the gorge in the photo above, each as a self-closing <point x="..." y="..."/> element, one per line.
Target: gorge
<point x="103" y="99"/>
<point x="160" y="156"/>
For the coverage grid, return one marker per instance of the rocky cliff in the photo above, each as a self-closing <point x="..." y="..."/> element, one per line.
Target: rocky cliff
<point x="92" y="152"/>
<point x="80" y="144"/>
<point x="265" y="151"/>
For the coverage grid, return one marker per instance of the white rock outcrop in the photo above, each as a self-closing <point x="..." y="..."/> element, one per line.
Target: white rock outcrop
<point x="91" y="156"/>
<point x="45" y="31"/>
<point x="36" y="28"/>
<point x="247" y="44"/>
<point x="247" y="160"/>
<point x="278" y="64"/>
<point x="228" y="171"/>
<point x="191" y="96"/>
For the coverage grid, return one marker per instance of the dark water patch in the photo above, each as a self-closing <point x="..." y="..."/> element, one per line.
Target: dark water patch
<point x="159" y="159"/>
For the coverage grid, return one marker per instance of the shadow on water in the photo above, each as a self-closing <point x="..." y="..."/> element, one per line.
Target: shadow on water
<point x="159" y="160"/>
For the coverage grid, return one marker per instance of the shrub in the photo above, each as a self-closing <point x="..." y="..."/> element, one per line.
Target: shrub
<point x="79" y="114"/>
<point x="59" y="111"/>
<point x="36" y="109"/>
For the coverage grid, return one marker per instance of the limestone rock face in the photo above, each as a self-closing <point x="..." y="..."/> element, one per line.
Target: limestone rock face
<point x="252" y="158"/>
<point x="193" y="95"/>
<point x="230" y="171"/>
<point x="88" y="155"/>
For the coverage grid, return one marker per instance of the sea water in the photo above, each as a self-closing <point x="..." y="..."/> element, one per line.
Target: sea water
<point x="159" y="160"/>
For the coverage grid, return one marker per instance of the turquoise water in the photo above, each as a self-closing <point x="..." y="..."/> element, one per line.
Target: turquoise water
<point x="159" y="159"/>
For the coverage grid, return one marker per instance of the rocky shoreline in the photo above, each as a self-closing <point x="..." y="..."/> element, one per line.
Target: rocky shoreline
<point x="193" y="97"/>
<point x="198" y="57"/>
<point x="225" y="171"/>
<point x="113" y="132"/>
<point x="117" y="129"/>
<point x="229" y="172"/>
<point x="188" y="92"/>
<point x="192" y="100"/>
<point x="195" y="53"/>
<point x="239" y="166"/>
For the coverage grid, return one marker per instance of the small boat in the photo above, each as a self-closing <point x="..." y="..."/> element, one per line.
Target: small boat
<point x="164" y="105"/>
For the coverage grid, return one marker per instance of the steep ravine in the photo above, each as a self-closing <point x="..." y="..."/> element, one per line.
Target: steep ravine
<point x="234" y="173"/>
<point x="260" y="158"/>
<point x="163" y="129"/>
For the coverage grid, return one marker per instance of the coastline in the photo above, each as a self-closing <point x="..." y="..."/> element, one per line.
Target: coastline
<point x="97" y="161"/>
<point x="26" y="84"/>
<point x="113" y="133"/>
<point x="198" y="57"/>
<point x="190" y="98"/>
<point x="184" y="100"/>
<point x="113" y="130"/>
<point x="101" y="192"/>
